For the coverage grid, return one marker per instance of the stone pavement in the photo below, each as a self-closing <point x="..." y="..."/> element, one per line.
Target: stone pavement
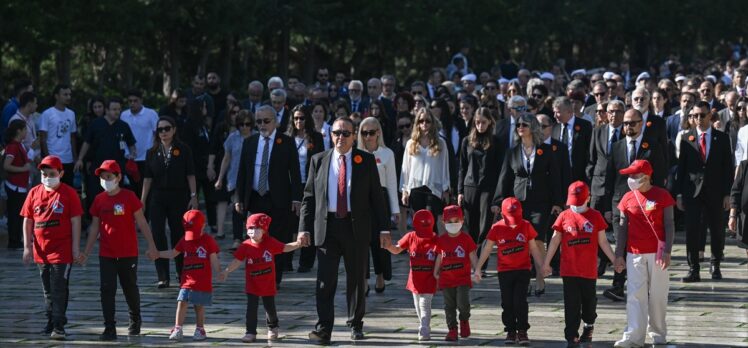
<point x="707" y="314"/>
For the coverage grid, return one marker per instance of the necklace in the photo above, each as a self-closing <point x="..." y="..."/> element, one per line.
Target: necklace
<point x="166" y="155"/>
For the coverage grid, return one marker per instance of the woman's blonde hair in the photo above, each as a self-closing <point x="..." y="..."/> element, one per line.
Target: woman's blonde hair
<point x="432" y="134"/>
<point x="366" y="122"/>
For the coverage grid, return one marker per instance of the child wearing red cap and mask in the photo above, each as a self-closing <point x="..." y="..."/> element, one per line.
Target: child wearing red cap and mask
<point x="514" y="239"/>
<point x="456" y="255"/>
<point x="579" y="230"/>
<point x="258" y="253"/>
<point x="421" y="246"/>
<point x="200" y="262"/>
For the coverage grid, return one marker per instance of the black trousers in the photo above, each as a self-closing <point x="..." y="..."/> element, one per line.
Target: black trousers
<point x="15" y="220"/>
<point x="476" y="205"/>
<point x="381" y="258"/>
<point x="279" y="226"/>
<point x="339" y="242"/>
<point x="704" y="212"/>
<point x="513" y="285"/>
<point x="167" y="206"/>
<point x="55" y="281"/>
<point x="69" y="174"/>
<point x="237" y="222"/>
<point x="580" y="303"/>
<point x="208" y="194"/>
<point x="126" y="270"/>
<point x="422" y="198"/>
<point x="271" y="315"/>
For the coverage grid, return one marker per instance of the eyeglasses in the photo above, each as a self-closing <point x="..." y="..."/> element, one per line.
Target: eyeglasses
<point x="264" y="120"/>
<point x="537" y="96"/>
<point x="697" y="115"/>
<point x="630" y="123"/>
<point x="163" y="129"/>
<point x="520" y="108"/>
<point x="322" y="75"/>
<point x="614" y="111"/>
<point x="343" y="133"/>
<point x="404" y="126"/>
<point x="420" y="101"/>
<point x="423" y="120"/>
<point x="599" y="94"/>
<point x="245" y="124"/>
<point x="523" y="125"/>
<point x="369" y="133"/>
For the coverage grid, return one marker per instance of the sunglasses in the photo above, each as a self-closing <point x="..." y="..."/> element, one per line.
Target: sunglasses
<point x="697" y="115"/>
<point x="245" y="124"/>
<point x="163" y="129"/>
<point x="416" y="93"/>
<point x="520" y="108"/>
<point x="404" y="126"/>
<point x="264" y="120"/>
<point x="630" y="123"/>
<point x="544" y="126"/>
<point x="598" y="94"/>
<point x="638" y="99"/>
<point x="343" y="133"/>
<point x="370" y="133"/>
<point x="523" y="125"/>
<point x="423" y="120"/>
<point x="537" y="96"/>
<point x="614" y="111"/>
<point x="491" y="88"/>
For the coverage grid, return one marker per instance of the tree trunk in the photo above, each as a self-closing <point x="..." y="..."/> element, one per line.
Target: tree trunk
<point x="127" y="66"/>
<point x="36" y="69"/>
<point x="228" y="57"/>
<point x="62" y="65"/>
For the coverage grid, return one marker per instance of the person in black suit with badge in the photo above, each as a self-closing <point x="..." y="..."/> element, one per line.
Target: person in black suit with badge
<point x="342" y="201"/>
<point x="654" y="127"/>
<point x="704" y="180"/>
<point x="269" y="179"/>
<point x="575" y="133"/>
<point x="625" y="151"/>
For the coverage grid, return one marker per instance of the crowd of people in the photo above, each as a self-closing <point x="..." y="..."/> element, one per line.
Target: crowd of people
<point x="565" y="162"/>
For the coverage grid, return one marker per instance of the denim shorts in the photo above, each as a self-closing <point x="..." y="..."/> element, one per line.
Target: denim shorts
<point x="200" y="298"/>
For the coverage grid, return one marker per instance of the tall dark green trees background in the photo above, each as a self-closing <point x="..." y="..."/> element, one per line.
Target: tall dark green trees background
<point x="107" y="46"/>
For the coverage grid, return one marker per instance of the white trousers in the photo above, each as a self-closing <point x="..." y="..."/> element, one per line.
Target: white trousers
<point x="646" y="301"/>
<point x="422" y="303"/>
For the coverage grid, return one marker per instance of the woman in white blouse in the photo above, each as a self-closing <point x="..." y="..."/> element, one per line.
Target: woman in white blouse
<point x="424" y="180"/>
<point x="370" y="140"/>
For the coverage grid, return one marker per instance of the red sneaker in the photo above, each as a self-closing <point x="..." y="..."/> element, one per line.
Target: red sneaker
<point x="464" y="328"/>
<point x="451" y="335"/>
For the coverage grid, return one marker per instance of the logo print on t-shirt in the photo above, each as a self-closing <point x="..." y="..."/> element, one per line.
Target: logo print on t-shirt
<point x="587" y="227"/>
<point x="650" y="205"/>
<point x="267" y="256"/>
<point x="57" y="207"/>
<point x="459" y="251"/>
<point x="119" y="209"/>
<point x="430" y="255"/>
<point x="521" y="238"/>
<point x="201" y="253"/>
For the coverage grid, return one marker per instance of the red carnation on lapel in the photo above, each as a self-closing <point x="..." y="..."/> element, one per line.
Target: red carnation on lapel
<point x="175" y="152"/>
<point x="278" y="141"/>
<point x="691" y="138"/>
<point x="645" y="145"/>
<point x="577" y="128"/>
<point x="540" y="152"/>
<point x="357" y="159"/>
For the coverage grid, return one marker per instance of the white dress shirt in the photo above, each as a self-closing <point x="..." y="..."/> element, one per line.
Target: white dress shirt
<point x="570" y="134"/>
<point x="708" y="139"/>
<point x="638" y="145"/>
<point x="741" y="147"/>
<point x="258" y="159"/>
<point x="332" y="180"/>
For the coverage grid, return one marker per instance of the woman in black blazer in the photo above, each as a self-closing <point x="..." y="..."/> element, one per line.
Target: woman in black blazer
<point x="481" y="155"/>
<point x="738" y="221"/>
<point x="531" y="174"/>
<point x="308" y="143"/>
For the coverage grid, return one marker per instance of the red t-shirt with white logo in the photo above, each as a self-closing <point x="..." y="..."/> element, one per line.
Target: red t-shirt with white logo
<point x="117" y="236"/>
<point x="579" y="242"/>
<point x="455" y="267"/>
<point x="422" y="252"/>
<point x="513" y="252"/>
<point x="641" y="237"/>
<point x="259" y="265"/>
<point x="196" y="273"/>
<point x="51" y="212"/>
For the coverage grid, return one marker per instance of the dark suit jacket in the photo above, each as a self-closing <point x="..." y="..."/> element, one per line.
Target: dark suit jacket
<point x="502" y="129"/>
<point x="673" y="127"/>
<point x="363" y="105"/>
<point x="713" y="178"/>
<point x="562" y="157"/>
<point x="367" y="199"/>
<point x="284" y="176"/>
<point x="615" y="183"/>
<point x="580" y="148"/>
<point x="480" y="168"/>
<point x="655" y="130"/>
<point x="514" y="180"/>
<point x="598" y="165"/>
<point x="284" y="120"/>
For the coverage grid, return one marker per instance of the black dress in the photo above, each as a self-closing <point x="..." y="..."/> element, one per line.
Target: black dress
<point x="739" y="201"/>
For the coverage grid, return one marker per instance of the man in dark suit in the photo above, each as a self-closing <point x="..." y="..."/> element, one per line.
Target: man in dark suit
<point x="278" y="102"/>
<point x="576" y="134"/>
<point x="254" y="100"/>
<point x="687" y="100"/>
<point x="600" y="92"/>
<point x="269" y="180"/>
<point x="706" y="91"/>
<point x="558" y="148"/>
<point x="342" y="218"/>
<point x="505" y="128"/>
<point x="653" y="126"/>
<point x="635" y="145"/>
<point x="356" y="101"/>
<point x="705" y="172"/>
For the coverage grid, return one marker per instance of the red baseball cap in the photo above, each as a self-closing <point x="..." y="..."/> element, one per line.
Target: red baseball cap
<point x="578" y="193"/>
<point x="259" y="220"/>
<point x="451" y="212"/>
<point x="423" y="221"/>
<point x="53" y="162"/>
<point x="108" y="166"/>
<point x="193" y="222"/>
<point x="511" y="209"/>
<point x="638" y="166"/>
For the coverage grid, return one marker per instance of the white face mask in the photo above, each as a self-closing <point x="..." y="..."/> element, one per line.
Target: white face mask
<point x="578" y="208"/>
<point x="50" y="182"/>
<point x="108" y="185"/>
<point x="453" y="228"/>
<point x="252" y="232"/>
<point x="634" y="184"/>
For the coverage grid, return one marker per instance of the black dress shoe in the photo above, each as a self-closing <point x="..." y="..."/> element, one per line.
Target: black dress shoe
<point x="357" y="334"/>
<point x="109" y="334"/>
<point x="320" y="337"/>
<point x="134" y="328"/>
<point x="162" y="284"/>
<point x="692" y="276"/>
<point x="615" y="294"/>
<point x="380" y="290"/>
<point x="716" y="273"/>
<point x="47" y="330"/>
<point x="539" y="292"/>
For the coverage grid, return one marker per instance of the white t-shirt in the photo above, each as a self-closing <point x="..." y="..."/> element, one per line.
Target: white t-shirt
<point x="59" y="126"/>
<point x="143" y="126"/>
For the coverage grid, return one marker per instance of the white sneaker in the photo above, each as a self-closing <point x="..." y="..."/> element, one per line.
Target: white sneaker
<point x="625" y="344"/>
<point x="176" y="334"/>
<point x="273" y="334"/>
<point x="249" y="338"/>
<point x="199" y="334"/>
<point x="424" y="334"/>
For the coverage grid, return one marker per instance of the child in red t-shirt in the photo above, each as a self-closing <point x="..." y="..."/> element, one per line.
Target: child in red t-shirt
<point x="200" y="253"/>
<point x="51" y="238"/>
<point x="456" y="256"/>
<point x="421" y="247"/>
<point x="258" y="253"/>
<point x="579" y="230"/>
<point x="514" y="240"/>
<point x="114" y="213"/>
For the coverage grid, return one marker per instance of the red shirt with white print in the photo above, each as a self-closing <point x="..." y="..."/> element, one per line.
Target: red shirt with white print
<point x="579" y="242"/>
<point x="51" y="212"/>
<point x="422" y="252"/>
<point x="196" y="272"/>
<point x="641" y="235"/>
<point x="513" y="244"/>
<point x="259" y="265"/>
<point x="455" y="267"/>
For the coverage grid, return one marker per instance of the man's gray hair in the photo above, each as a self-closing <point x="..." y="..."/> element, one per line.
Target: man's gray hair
<point x="562" y="102"/>
<point x="278" y="92"/>
<point x="641" y="90"/>
<point x="617" y="102"/>
<point x="276" y="79"/>
<point x="356" y="83"/>
<point x="516" y="100"/>
<point x="534" y="82"/>
<point x="256" y="83"/>
<point x="266" y="108"/>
